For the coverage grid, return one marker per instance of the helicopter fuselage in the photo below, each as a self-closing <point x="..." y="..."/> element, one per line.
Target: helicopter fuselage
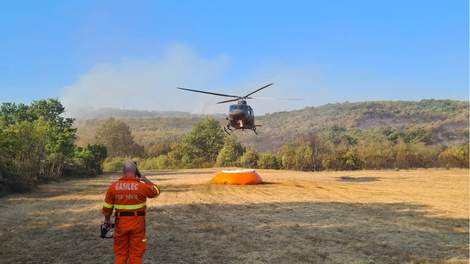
<point x="241" y="116"/>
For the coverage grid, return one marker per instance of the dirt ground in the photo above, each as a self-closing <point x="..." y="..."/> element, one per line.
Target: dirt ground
<point x="419" y="216"/>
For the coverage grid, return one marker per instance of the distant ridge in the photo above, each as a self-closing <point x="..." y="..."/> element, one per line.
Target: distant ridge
<point x="373" y="107"/>
<point x="104" y="113"/>
<point x="447" y="122"/>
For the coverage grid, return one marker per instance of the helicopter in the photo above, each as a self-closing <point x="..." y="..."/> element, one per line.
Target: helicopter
<point x="241" y="115"/>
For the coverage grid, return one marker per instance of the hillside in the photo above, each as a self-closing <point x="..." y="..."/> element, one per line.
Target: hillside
<point x="445" y="122"/>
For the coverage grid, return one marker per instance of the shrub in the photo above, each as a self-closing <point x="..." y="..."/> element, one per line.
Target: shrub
<point x="227" y="156"/>
<point x="114" y="164"/>
<point x="269" y="161"/>
<point x="455" y="157"/>
<point x="249" y="159"/>
<point x="343" y="159"/>
<point x="162" y="162"/>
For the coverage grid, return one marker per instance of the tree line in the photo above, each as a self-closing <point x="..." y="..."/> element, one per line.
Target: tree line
<point x="442" y="122"/>
<point x="37" y="145"/>
<point x="336" y="148"/>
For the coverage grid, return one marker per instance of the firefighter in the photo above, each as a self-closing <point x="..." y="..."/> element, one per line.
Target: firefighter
<point x="128" y="197"/>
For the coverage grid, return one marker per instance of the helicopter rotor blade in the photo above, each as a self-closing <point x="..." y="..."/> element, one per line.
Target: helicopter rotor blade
<point x="197" y="91"/>
<point x="233" y="100"/>
<point x="258" y="90"/>
<point x="263" y="98"/>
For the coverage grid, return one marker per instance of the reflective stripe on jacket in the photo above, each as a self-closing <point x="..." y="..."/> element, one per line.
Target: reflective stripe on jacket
<point x="128" y="194"/>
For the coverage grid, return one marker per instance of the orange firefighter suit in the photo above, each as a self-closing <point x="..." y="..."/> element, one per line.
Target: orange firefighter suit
<point x="129" y="197"/>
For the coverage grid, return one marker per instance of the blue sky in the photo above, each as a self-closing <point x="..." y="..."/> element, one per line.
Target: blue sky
<point x="133" y="54"/>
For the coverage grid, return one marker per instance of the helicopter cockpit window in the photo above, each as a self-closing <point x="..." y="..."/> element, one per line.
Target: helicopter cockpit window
<point x="233" y="107"/>
<point x="243" y="107"/>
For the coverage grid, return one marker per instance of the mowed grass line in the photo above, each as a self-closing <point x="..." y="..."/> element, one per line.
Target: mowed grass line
<point x="414" y="216"/>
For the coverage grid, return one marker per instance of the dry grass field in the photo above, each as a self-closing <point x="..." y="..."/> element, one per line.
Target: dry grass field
<point x="419" y="216"/>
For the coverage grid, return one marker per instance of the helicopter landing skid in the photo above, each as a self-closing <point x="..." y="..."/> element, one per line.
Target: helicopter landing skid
<point x="230" y="131"/>
<point x="228" y="128"/>
<point x="254" y="129"/>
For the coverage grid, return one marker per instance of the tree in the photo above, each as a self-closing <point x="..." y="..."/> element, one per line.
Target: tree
<point x="303" y="157"/>
<point x="417" y="134"/>
<point x="237" y="147"/>
<point x="348" y="140"/>
<point x="334" y="133"/>
<point x="116" y="136"/>
<point x="158" y="149"/>
<point x="269" y="161"/>
<point x="287" y="154"/>
<point x="230" y="152"/>
<point x="406" y="159"/>
<point x="181" y="156"/>
<point x="49" y="110"/>
<point x="353" y="162"/>
<point x="314" y="142"/>
<point x="249" y="159"/>
<point x="37" y="142"/>
<point x="455" y="156"/>
<point x="378" y="155"/>
<point x="227" y="156"/>
<point x="25" y="154"/>
<point x="89" y="160"/>
<point x="343" y="159"/>
<point x="162" y="162"/>
<point x="206" y="139"/>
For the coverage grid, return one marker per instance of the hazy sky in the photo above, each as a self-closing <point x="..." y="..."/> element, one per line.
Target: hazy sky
<point x="133" y="54"/>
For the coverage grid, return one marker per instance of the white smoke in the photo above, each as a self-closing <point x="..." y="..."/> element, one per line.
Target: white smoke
<point x="150" y="84"/>
<point x="146" y="84"/>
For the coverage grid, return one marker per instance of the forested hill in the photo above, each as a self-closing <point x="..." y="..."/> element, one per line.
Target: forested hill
<point x="446" y="121"/>
<point x="433" y="122"/>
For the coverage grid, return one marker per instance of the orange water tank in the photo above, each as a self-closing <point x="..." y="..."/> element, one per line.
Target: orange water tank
<point x="240" y="177"/>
